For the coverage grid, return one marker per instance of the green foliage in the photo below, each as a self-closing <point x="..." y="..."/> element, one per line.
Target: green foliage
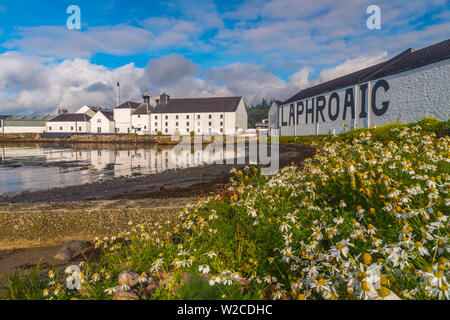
<point x="257" y="113"/>
<point x="429" y="123"/>
<point x="22" y="285"/>
<point x="159" y="133"/>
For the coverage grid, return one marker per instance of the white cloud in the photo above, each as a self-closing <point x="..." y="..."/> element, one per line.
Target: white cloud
<point x="61" y="42"/>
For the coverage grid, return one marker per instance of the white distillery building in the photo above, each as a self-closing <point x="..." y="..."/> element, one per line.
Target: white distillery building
<point x="69" y="123"/>
<point x="204" y="116"/>
<point x="273" y="118"/>
<point x="25" y="124"/>
<point x="103" y="122"/>
<point x="122" y="116"/>
<point x="403" y="89"/>
<point x="141" y="117"/>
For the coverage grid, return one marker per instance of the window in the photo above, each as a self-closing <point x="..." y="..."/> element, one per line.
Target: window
<point x="221" y="123"/>
<point x="221" y="130"/>
<point x="156" y="124"/>
<point x="176" y="124"/>
<point x="99" y="120"/>
<point x="210" y="116"/>
<point x="50" y="128"/>
<point x="156" y="117"/>
<point x="221" y="116"/>
<point x="167" y="124"/>
<point x="71" y="128"/>
<point x="139" y="115"/>
<point x="79" y="129"/>
<point x="187" y="130"/>
<point x="187" y="124"/>
<point x="167" y="117"/>
<point x="187" y="117"/>
<point x="99" y="129"/>
<point x="145" y="127"/>
<point x="176" y="117"/>
<point x="60" y="128"/>
<point x="167" y="130"/>
<point x="198" y="124"/>
<point x="209" y="123"/>
<point x="198" y="116"/>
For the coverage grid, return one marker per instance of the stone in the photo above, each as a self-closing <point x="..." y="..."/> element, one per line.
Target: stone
<point x="72" y="249"/>
<point x="152" y="285"/>
<point x="129" y="277"/>
<point x="122" y="294"/>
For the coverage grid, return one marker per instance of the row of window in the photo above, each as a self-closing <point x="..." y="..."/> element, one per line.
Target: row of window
<point x="187" y="124"/>
<point x="61" y="129"/>
<point x="187" y="117"/>
<point x="188" y="131"/>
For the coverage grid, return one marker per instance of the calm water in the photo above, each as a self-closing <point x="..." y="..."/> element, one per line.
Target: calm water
<point x="28" y="167"/>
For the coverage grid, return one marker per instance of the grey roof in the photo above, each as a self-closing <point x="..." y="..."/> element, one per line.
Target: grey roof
<point x="71" y="117"/>
<point x="128" y="105"/>
<point x="108" y="114"/>
<point x="144" y="108"/>
<point x="191" y="105"/>
<point x="407" y="60"/>
<point x="30" y="118"/>
<point x="278" y="102"/>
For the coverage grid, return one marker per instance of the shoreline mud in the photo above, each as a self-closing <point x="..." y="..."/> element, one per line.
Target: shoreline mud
<point x="33" y="225"/>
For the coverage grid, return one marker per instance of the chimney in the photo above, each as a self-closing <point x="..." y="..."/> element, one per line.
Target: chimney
<point x="118" y="94"/>
<point x="146" y="97"/>
<point x="62" y="111"/>
<point x="164" y="98"/>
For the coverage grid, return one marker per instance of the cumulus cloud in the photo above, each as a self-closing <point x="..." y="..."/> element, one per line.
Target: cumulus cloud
<point x="61" y="42"/>
<point x="31" y="85"/>
<point x="170" y="69"/>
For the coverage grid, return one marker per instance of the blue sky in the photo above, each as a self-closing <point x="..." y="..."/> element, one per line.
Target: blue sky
<point x="255" y="48"/>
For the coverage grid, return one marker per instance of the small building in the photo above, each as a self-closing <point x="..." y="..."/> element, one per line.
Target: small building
<point x="103" y="122"/>
<point x="263" y="124"/>
<point x="141" y="117"/>
<point x="89" y="110"/>
<point x="25" y="124"/>
<point x="204" y="116"/>
<point x="273" y="118"/>
<point x="69" y="123"/>
<point x="122" y="116"/>
<point x="2" y="119"/>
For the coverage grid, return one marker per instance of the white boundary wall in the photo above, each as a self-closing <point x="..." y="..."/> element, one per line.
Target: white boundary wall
<point x="409" y="96"/>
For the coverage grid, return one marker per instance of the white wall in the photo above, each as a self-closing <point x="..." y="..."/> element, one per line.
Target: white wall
<point x="122" y="117"/>
<point x="100" y="121"/>
<point x="14" y="129"/>
<point x="69" y="126"/>
<point x="241" y="116"/>
<point x="142" y="122"/>
<point x="201" y="123"/>
<point x="411" y="95"/>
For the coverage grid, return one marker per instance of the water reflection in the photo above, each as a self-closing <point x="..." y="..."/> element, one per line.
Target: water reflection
<point x="27" y="167"/>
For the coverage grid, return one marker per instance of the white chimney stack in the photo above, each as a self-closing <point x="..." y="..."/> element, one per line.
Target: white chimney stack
<point x="118" y="94"/>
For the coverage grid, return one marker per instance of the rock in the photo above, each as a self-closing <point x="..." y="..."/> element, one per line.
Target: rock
<point x="72" y="249"/>
<point x="152" y="285"/>
<point x="91" y="254"/>
<point x="129" y="277"/>
<point x="121" y="294"/>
